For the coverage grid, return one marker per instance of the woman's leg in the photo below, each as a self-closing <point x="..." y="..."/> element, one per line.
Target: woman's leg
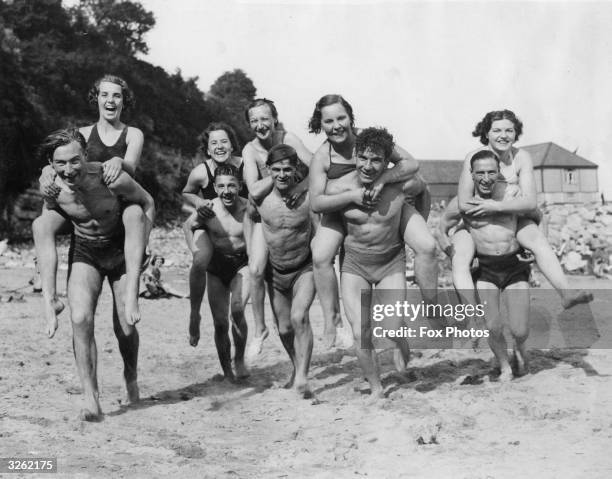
<point x="530" y="237"/>
<point x="136" y="238"/>
<point x="464" y="250"/>
<point x="418" y="237"/>
<point x="202" y="252"/>
<point x="325" y="245"/>
<point x="258" y="258"/>
<point x="44" y="229"/>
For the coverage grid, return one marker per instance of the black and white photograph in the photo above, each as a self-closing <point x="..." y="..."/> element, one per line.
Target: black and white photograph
<point x="305" y="239"/>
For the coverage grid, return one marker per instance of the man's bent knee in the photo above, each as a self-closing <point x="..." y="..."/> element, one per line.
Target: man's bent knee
<point x="285" y="329"/>
<point x="236" y="308"/>
<point x="299" y="320"/>
<point x="426" y="246"/>
<point x="257" y="271"/>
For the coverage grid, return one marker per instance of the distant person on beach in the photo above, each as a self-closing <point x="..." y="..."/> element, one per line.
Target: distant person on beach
<point x="218" y="143"/>
<point x="288" y="227"/>
<point x="155" y="287"/>
<point x="498" y="131"/>
<point x="262" y="116"/>
<point x="227" y="271"/>
<point x="374" y="253"/>
<point x="94" y="208"/>
<point x="334" y="159"/>
<point x="118" y="147"/>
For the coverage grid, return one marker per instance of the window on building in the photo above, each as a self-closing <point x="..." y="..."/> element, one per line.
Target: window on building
<point x="571" y="177"/>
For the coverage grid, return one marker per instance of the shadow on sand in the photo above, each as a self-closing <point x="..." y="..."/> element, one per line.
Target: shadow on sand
<point x="337" y="364"/>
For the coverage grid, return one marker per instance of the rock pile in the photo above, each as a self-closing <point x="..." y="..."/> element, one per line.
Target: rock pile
<point x="581" y="236"/>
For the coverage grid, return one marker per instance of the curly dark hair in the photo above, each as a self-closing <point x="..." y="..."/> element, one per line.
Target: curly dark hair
<point x="59" y="138"/>
<point x="260" y="102"/>
<point x="226" y="170"/>
<point x="375" y="138"/>
<point x="314" y="124"/>
<point x="216" y="126"/>
<point x="128" y="95"/>
<point x="484" y="126"/>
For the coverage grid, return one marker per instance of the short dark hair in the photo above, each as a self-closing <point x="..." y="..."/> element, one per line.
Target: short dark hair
<point x="260" y="102"/>
<point x="59" y="138"/>
<point x="484" y="126"/>
<point x="375" y="138"/>
<point x="128" y="95"/>
<point x="216" y="126"/>
<point x="314" y="124"/>
<point x="482" y="155"/>
<point x="282" y="152"/>
<point x="226" y="170"/>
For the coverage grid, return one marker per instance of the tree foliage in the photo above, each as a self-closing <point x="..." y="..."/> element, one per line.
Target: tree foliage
<point x="231" y="93"/>
<point x="50" y="55"/>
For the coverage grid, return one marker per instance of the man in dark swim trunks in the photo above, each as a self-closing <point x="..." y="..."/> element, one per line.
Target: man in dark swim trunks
<point x="94" y="209"/>
<point x="288" y="227"/>
<point x="228" y="273"/>
<point x="500" y="268"/>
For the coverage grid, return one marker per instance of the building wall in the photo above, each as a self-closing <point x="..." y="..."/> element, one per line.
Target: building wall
<point x="538" y="180"/>
<point x="551" y="178"/>
<point x="568" y="197"/>
<point x="569" y="180"/>
<point x="588" y="180"/>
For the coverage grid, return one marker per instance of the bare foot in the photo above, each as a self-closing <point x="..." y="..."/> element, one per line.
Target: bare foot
<point x="520" y="362"/>
<point x="132" y="313"/>
<point x="506" y="374"/>
<point x="241" y="370"/>
<point x="290" y="382"/>
<point x="52" y="309"/>
<point x="36" y="283"/>
<point x="329" y="336"/>
<point x="399" y="360"/>
<point x="256" y="345"/>
<point x="304" y="391"/>
<point x="133" y="393"/>
<point x="194" y="329"/>
<point x="225" y="377"/>
<point x="579" y="298"/>
<point x="89" y="416"/>
<point x="92" y="412"/>
<point x="377" y="396"/>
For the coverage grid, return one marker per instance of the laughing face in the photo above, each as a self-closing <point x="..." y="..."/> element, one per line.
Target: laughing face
<point x="68" y="162"/>
<point x="485" y="173"/>
<point x="371" y="163"/>
<point x="110" y="101"/>
<point x="336" y="123"/>
<point x="219" y="146"/>
<point x="283" y="174"/>
<point x="502" y="135"/>
<point x="227" y="188"/>
<point x="262" y="122"/>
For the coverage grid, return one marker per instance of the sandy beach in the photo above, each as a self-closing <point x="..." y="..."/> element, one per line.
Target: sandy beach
<point x="555" y="422"/>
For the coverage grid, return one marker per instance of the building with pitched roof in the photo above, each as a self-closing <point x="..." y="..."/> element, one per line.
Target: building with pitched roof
<point x="561" y="176"/>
